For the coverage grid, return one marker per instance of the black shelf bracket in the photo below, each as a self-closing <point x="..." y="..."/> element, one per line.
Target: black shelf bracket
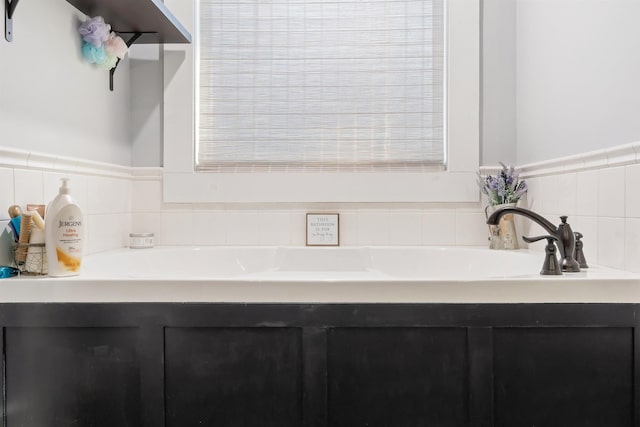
<point x="129" y="42"/>
<point x="9" y="9"/>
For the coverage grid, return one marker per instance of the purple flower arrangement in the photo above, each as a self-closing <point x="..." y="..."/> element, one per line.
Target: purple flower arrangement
<point x="503" y="188"/>
<point x="100" y="45"/>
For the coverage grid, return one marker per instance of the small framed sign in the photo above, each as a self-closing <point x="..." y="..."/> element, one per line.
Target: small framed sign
<point x="323" y="229"/>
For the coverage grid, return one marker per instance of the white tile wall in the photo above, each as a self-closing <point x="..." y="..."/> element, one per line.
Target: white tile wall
<point x="116" y="204"/>
<point x="349" y="235"/>
<point x="288" y="227"/>
<point x="632" y="245"/>
<point x="147" y="196"/>
<point x="471" y="228"/>
<point x="6" y="191"/>
<point x="274" y="228"/>
<point x="611" y="242"/>
<point x="109" y="195"/>
<point x="373" y="227"/>
<point x="266" y="225"/>
<point x="587" y="193"/>
<point x="611" y="192"/>
<point x="405" y="228"/>
<point x="632" y="191"/>
<point x="209" y="228"/>
<point x="439" y="228"/>
<point x="107" y="231"/>
<point x="105" y="201"/>
<point x="243" y="227"/>
<point x="28" y="187"/>
<point x="602" y="203"/>
<point x="561" y="196"/>
<point x="566" y="200"/>
<point x="605" y="209"/>
<point x="298" y="226"/>
<point x="177" y="228"/>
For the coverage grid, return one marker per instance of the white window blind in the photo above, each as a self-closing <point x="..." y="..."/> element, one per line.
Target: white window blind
<point x="321" y="85"/>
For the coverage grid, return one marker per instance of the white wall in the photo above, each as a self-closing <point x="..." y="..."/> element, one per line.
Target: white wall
<point x="498" y="98"/>
<point x="53" y="102"/>
<point x="588" y="98"/>
<point x="147" y="95"/>
<point x="577" y="68"/>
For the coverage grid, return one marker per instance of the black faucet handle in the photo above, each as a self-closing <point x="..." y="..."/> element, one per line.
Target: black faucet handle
<point x="579" y="254"/>
<point x="550" y="238"/>
<point x="551" y="267"/>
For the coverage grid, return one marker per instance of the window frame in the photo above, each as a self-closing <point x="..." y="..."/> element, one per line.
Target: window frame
<point x="182" y="184"/>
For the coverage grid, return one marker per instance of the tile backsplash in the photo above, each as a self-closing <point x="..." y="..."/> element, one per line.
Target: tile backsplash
<point x="107" y="225"/>
<point x="596" y="190"/>
<point x="130" y="200"/>
<point x="194" y="224"/>
<point x="105" y="200"/>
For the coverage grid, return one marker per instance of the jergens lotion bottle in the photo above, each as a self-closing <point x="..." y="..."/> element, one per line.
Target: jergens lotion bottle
<point x="64" y="234"/>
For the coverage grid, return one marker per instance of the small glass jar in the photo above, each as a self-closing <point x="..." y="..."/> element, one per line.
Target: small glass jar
<point x="140" y="240"/>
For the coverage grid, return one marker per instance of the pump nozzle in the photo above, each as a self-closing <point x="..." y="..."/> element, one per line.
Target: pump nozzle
<point x="64" y="189"/>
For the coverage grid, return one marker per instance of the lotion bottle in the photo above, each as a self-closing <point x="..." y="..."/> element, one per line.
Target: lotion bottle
<point x="64" y="234"/>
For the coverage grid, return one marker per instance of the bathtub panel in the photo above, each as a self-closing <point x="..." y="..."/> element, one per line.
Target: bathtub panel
<point x="229" y="377"/>
<point x="321" y="365"/>
<point x="558" y="377"/>
<point x="61" y="377"/>
<point x="399" y="377"/>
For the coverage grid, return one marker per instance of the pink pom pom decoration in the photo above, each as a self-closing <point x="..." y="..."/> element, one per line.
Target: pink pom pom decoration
<point x="115" y="46"/>
<point x="100" y="45"/>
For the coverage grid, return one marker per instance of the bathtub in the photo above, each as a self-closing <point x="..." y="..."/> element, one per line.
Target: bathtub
<point x="313" y="263"/>
<point x="323" y="274"/>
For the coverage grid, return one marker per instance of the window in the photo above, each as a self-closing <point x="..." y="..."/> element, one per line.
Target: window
<point x="184" y="184"/>
<point x="320" y="85"/>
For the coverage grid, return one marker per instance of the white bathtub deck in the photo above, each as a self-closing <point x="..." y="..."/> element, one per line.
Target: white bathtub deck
<point x="323" y="275"/>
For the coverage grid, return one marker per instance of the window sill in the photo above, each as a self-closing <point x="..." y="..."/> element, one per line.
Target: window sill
<point x="320" y="188"/>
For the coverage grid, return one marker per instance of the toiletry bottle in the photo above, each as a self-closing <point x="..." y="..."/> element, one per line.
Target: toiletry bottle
<point x="64" y="234"/>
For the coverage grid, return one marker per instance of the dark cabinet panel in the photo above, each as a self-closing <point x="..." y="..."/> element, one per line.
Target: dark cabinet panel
<point x="65" y="377"/>
<point x="559" y="377"/>
<point x="397" y="376"/>
<point x="320" y="365"/>
<point x="233" y="377"/>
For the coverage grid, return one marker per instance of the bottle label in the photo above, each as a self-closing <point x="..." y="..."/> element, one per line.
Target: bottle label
<point x="69" y="234"/>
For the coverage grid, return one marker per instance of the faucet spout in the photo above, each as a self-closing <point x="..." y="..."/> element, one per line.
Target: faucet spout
<point x="494" y="219"/>
<point x="566" y="239"/>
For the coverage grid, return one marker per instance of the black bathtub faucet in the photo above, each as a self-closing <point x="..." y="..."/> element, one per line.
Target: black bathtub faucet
<point x="566" y="238"/>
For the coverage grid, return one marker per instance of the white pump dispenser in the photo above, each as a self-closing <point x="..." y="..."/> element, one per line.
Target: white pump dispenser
<point x="64" y="234"/>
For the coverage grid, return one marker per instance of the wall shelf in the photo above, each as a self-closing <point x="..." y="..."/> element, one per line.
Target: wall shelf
<point x="137" y="21"/>
<point x="9" y="9"/>
<point x="151" y="18"/>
